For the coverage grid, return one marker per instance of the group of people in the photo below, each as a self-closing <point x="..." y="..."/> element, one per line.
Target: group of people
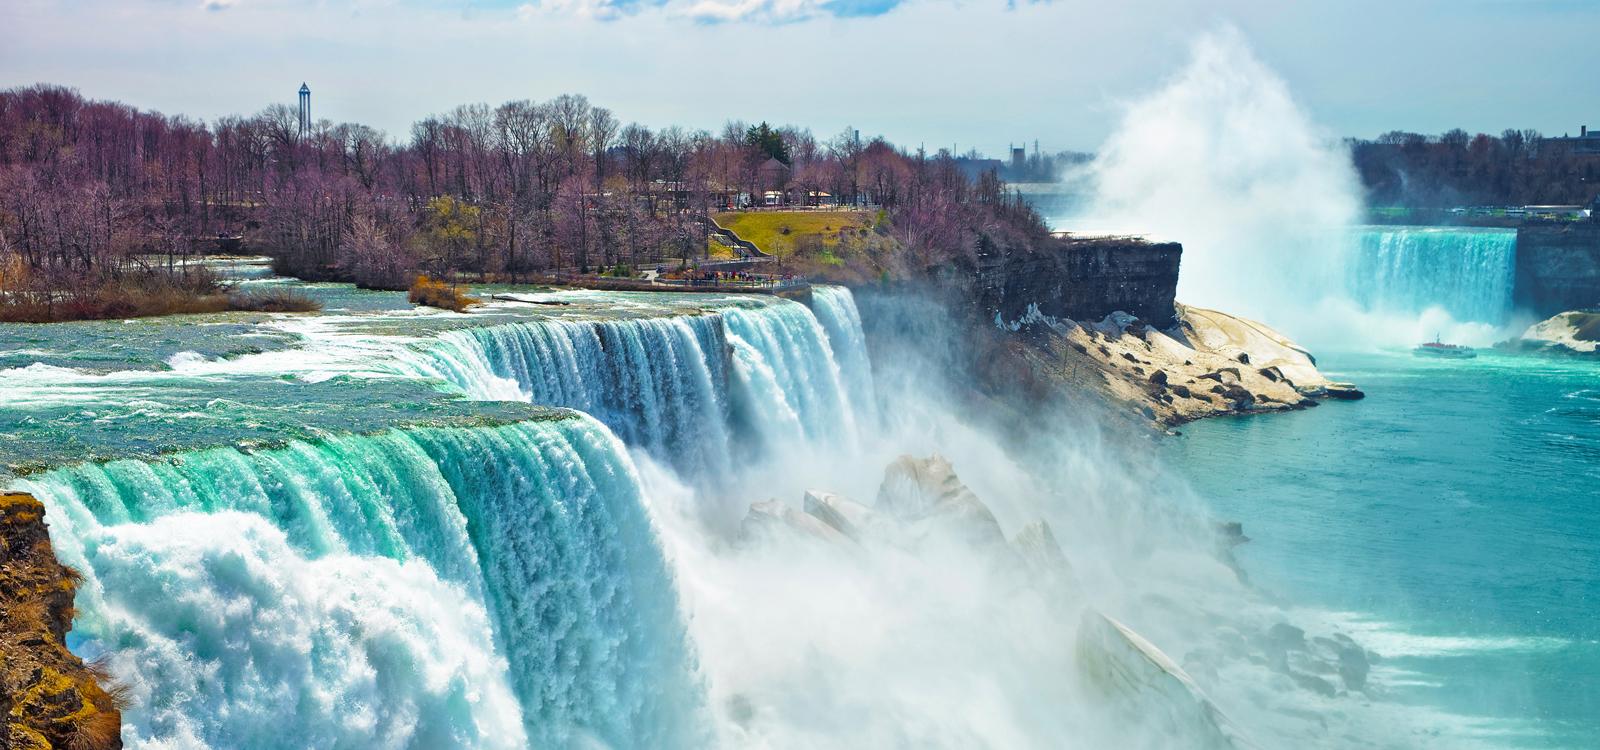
<point x="712" y="276"/>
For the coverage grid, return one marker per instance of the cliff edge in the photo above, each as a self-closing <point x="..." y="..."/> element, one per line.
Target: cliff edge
<point x="48" y="697"/>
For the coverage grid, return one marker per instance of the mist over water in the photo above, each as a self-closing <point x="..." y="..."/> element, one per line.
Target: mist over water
<point x="587" y="579"/>
<point x="1223" y="159"/>
<point x="559" y="580"/>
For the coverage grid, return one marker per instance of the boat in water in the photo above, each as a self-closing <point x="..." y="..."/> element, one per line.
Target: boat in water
<point x="1435" y="348"/>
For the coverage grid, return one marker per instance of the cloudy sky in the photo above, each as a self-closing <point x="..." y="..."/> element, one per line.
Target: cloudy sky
<point x="968" y="73"/>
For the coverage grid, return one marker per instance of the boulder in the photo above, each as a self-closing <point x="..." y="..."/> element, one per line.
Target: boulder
<point x="846" y="516"/>
<point x="773" y="518"/>
<point x="1036" y="545"/>
<point x="927" y="492"/>
<point x="1150" y="689"/>
<point x="1574" y="332"/>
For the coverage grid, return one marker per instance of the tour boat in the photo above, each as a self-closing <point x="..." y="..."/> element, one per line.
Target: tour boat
<point x="1448" y="351"/>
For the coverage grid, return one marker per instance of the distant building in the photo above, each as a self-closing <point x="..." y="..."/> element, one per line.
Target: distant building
<point x="1587" y="143"/>
<point x="773" y="173"/>
<point x="1019" y="157"/>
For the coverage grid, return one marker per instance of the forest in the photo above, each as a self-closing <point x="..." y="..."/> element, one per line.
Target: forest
<point x="1455" y="168"/>
<point x="99" y="196"/>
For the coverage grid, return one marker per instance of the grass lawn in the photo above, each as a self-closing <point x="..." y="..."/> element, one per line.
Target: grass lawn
<point x="776" y="231"/>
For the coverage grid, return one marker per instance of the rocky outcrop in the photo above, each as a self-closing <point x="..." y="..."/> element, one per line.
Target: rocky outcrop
<point x="920" y="499"/>
<point x="48" y="697"/>
<point x="1558" y="266"/>
<point x="1576" y="332"/>
<point x="1151" y="689"/>
<point x="1082" y="278"/>
<point x="927" y="495"/>
<point x="1209" y="363"/>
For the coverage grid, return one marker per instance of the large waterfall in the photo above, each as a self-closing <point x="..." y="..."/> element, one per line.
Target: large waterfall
<point x="452" y="586"/>
<point x="1468" y="272"/>
<point x="486" y="587"/>
<point x="357" y="540"/>
<point x="699" y="391"/>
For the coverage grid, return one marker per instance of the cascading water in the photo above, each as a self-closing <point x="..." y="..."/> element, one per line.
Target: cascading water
<point x="660" y="383"/>
<point x="499" y="582"/>
<point x="1468" y="272"/>
<point x="429" y="587"/>
<point x="702" y="392"/>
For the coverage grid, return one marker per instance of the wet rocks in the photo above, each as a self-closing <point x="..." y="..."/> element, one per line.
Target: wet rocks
<point x="1574" y="332"/>
<point x="48" y="697"/>
<point x="1210" y="363"/>
<point x="1147" y="686"/>
<point x="920" y="500"/>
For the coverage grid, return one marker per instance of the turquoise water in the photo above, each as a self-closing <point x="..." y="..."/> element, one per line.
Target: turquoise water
<point x="1450" y="518"/>
<point x="370" y="525"/>
<point x="1467" y="272"/>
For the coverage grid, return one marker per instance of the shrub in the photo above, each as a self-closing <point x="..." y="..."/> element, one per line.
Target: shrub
<point x="273" y="300"/>
<point x="435" y="293"/>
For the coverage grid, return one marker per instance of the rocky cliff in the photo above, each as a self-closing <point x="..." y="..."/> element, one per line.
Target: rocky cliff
<point x="48" y="697"/>
<point x="1574" y="332"/>
<point x="1558" y="267"/>
<point x="1082" y="278"/>
<point x="1208" y="363"/>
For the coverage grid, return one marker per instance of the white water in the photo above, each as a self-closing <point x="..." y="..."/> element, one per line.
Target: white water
<point x="544" y="584"/>
<point x="1223" y="159"/>
<point x="428" y="588"/>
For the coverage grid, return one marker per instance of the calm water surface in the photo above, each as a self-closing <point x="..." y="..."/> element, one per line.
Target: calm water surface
<point x="1452" y="517"/>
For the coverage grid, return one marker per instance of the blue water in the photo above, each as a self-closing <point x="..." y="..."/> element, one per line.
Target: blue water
<point x="1468" y="272"/>
<point x="1452" y="513"/>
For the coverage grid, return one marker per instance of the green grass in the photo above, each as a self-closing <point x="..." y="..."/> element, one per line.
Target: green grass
<point x="778" y="232"/>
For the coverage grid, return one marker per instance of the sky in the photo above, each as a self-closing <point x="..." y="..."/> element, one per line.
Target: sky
<point x="959" y="74"/>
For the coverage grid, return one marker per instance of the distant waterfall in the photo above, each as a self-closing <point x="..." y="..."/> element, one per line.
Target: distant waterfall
<point x="698" y="391"/>
<point x="1468" y="272"/>
<point x="486" y="587"/>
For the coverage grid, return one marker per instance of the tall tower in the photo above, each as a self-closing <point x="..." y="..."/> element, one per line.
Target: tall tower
<point x="305" y="108"/>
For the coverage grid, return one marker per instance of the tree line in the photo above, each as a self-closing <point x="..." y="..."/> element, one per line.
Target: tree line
<point x="1455" y="168"/>
<point x="97" y="190"/>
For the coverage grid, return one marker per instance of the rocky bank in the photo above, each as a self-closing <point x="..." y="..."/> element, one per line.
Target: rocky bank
<point x="1575" y="332"/>
<point x="48" y="697"/>
<point x="1208" y="363"/>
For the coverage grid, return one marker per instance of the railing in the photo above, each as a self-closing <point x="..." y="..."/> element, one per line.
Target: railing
<point x="715" y="283"/>
<point x="732" y="239"/>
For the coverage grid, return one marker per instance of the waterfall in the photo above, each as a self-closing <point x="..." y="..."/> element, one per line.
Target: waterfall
<point x="439" y="586"/>
<point x="703" y="392"/>
<point x="1468" y="272"/>
<point x="835" y="309"/>
<point x="659" y="383"/>
<point x="428" y="587"/>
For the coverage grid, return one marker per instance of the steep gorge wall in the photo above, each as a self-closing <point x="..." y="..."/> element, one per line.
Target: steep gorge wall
<point x="1558" y="267"/>
<point x="48" y="697"/>
<point x="1083" y="279"/>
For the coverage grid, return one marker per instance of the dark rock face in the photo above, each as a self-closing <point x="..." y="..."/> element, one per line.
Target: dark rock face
<point x="1558" y="267"/>
<point x="48" y="697"/>
<point x="1083" y="279"/>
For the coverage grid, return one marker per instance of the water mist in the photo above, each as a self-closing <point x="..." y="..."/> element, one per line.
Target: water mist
<point x="1223" y="159"/>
